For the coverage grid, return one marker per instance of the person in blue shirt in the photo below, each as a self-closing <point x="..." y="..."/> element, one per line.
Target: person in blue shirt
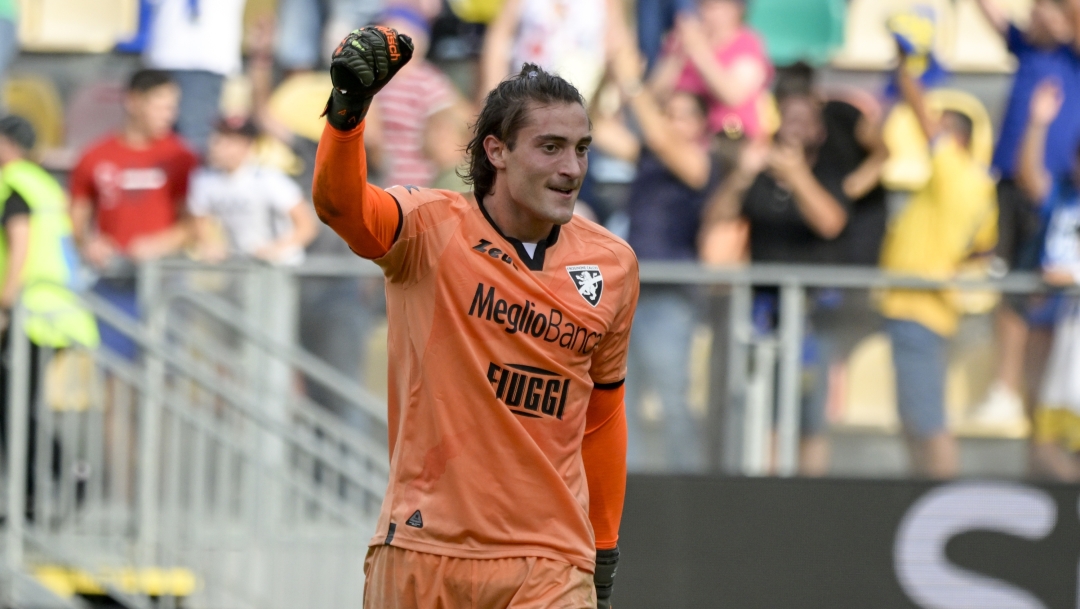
<point x="1056" y="417"/>
<point x="1047" y="48"/>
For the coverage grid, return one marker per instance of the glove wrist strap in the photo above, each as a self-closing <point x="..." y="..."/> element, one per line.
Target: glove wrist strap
<point x="345" y="112"/>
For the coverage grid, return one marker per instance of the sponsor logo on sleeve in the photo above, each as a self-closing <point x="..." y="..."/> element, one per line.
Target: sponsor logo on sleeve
<point x="589" y="282"/>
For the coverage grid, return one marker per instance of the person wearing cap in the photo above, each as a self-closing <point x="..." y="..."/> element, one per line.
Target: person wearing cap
<point x="261" y="210"/>
<point x="422" y="119"/>
<point x="36" y="255"/>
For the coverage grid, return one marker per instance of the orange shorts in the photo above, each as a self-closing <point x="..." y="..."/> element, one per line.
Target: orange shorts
<point x="403" y="579"/>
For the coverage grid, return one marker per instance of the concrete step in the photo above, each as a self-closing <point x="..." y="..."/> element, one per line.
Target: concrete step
<point x="883" y="455"/>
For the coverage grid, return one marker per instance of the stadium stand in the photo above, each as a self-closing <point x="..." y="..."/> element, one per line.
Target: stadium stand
<point x="868" y="45"/>
<point x="976" y="46"/>
<point x="810" y="31"/>
<point x="36" y="99"/>
<point x="298" y="102"/>
<point x="76" y="26"/>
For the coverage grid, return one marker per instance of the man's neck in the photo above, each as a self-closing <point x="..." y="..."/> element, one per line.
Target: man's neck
<point x="513" y="221"/>
<point x="135" y="137"/>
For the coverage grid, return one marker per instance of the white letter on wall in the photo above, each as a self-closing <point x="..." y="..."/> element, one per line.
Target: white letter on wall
<point x="925" y="573"/>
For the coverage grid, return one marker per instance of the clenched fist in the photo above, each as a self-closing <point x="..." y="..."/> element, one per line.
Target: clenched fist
<point x="360" y="67"/>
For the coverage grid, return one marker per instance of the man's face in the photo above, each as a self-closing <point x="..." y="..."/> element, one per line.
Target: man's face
<point x="154" y="111"/>
<point x="543" y="172"/>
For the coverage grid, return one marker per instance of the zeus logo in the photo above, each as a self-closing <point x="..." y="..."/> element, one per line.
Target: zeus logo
<point x="529" y="391"/>
<point x="927" y="576"/>
<point x="494" y="252"/>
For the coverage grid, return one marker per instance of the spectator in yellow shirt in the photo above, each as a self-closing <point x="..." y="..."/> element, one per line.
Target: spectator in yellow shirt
<point x="952" y="219"/>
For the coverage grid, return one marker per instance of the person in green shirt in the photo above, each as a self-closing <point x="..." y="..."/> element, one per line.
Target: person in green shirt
<point x="37" y="258"/>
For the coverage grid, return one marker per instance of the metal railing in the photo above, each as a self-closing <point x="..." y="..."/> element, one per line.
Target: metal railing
<point x="197" y="471"/>
<point x="202" y="456"/>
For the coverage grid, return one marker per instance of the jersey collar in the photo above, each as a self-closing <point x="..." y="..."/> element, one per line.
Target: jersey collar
<point x="534" y="262"/>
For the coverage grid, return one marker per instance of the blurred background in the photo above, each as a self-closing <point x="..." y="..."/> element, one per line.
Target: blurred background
<point x="852" y="379"/>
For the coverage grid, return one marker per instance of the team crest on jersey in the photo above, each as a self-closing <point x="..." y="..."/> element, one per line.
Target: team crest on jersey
<point x="589" y="282"/>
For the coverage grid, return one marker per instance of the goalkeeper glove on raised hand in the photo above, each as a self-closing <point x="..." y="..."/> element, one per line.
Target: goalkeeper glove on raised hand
<point x="360" y="67"/>
<point x="607" y="561"/>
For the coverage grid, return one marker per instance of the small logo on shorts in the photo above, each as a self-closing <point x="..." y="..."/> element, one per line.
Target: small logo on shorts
<point x="589" y="282"/>
<point x="416" y="520"/>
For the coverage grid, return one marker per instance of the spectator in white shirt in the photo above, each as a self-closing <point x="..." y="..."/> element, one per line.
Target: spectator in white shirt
<point x="261" y="211"/>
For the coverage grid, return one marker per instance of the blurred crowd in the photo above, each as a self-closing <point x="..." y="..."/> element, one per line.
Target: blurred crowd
<point x="703" y="151"/>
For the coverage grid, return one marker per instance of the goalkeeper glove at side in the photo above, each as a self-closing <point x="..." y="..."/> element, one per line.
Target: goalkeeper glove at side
<point x="607" y="561"/>
<point x="360" y="67"/>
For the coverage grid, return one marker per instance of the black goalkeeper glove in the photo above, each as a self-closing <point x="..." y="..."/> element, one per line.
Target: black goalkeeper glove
<point x="607" y="561"/>
<point x="360" y="67"/>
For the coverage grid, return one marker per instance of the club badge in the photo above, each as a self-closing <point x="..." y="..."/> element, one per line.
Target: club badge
<point x="589" y="282"/>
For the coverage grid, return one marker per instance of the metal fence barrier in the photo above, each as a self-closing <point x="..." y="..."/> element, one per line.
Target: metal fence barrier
<point x="200" y="471"/>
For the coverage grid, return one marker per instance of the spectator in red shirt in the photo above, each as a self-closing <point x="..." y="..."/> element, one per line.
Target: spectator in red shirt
<point x="128" y="192"/>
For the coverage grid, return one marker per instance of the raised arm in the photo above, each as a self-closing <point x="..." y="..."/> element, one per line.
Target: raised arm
<point x="867" y="175"/>
<point x="821" y="211"/>
<point x="688" y="163"/>
<point x="498" y="43"/>
<point x="733" y="85"/>
<point x="726" y="203"/>
<point x="912" y="92"/>
<point x="1032" y="175"/>
<point x="997" y="17"/>
<point x="365" y="216"/>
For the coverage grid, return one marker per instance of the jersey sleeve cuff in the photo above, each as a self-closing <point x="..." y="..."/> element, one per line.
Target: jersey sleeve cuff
<point x="609" y="386"/>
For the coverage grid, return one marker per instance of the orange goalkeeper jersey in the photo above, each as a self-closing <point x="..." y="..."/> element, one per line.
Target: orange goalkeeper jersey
<point x="494" y="358"/>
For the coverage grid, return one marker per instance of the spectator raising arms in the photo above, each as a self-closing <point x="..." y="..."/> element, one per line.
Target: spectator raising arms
<point x="953" y="218"/>
<point x="675" y="171"/>
<point x="1047" y="48"/>
<point x="262" y="210"/>
<point x="128" y="192"/>
<point x="1057" y="417"/>
<point x="715" y="55"/>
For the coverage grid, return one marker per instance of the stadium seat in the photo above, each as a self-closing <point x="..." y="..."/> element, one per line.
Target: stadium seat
<point x="76" y="26"/>
<point x="870" y="388"/>
<point x="809" y="30"/>
<point x="37" y="100"/>
<point x="908" y="167"/>
<point x="976" y="47"/>
<point x="95" y="110"/>
<point x="66" y="582"/>
<point x="868" y="45"/>
<point x="298" y="102"/>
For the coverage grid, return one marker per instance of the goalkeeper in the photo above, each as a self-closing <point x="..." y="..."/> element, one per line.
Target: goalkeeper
<point x="509" y="319"/>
